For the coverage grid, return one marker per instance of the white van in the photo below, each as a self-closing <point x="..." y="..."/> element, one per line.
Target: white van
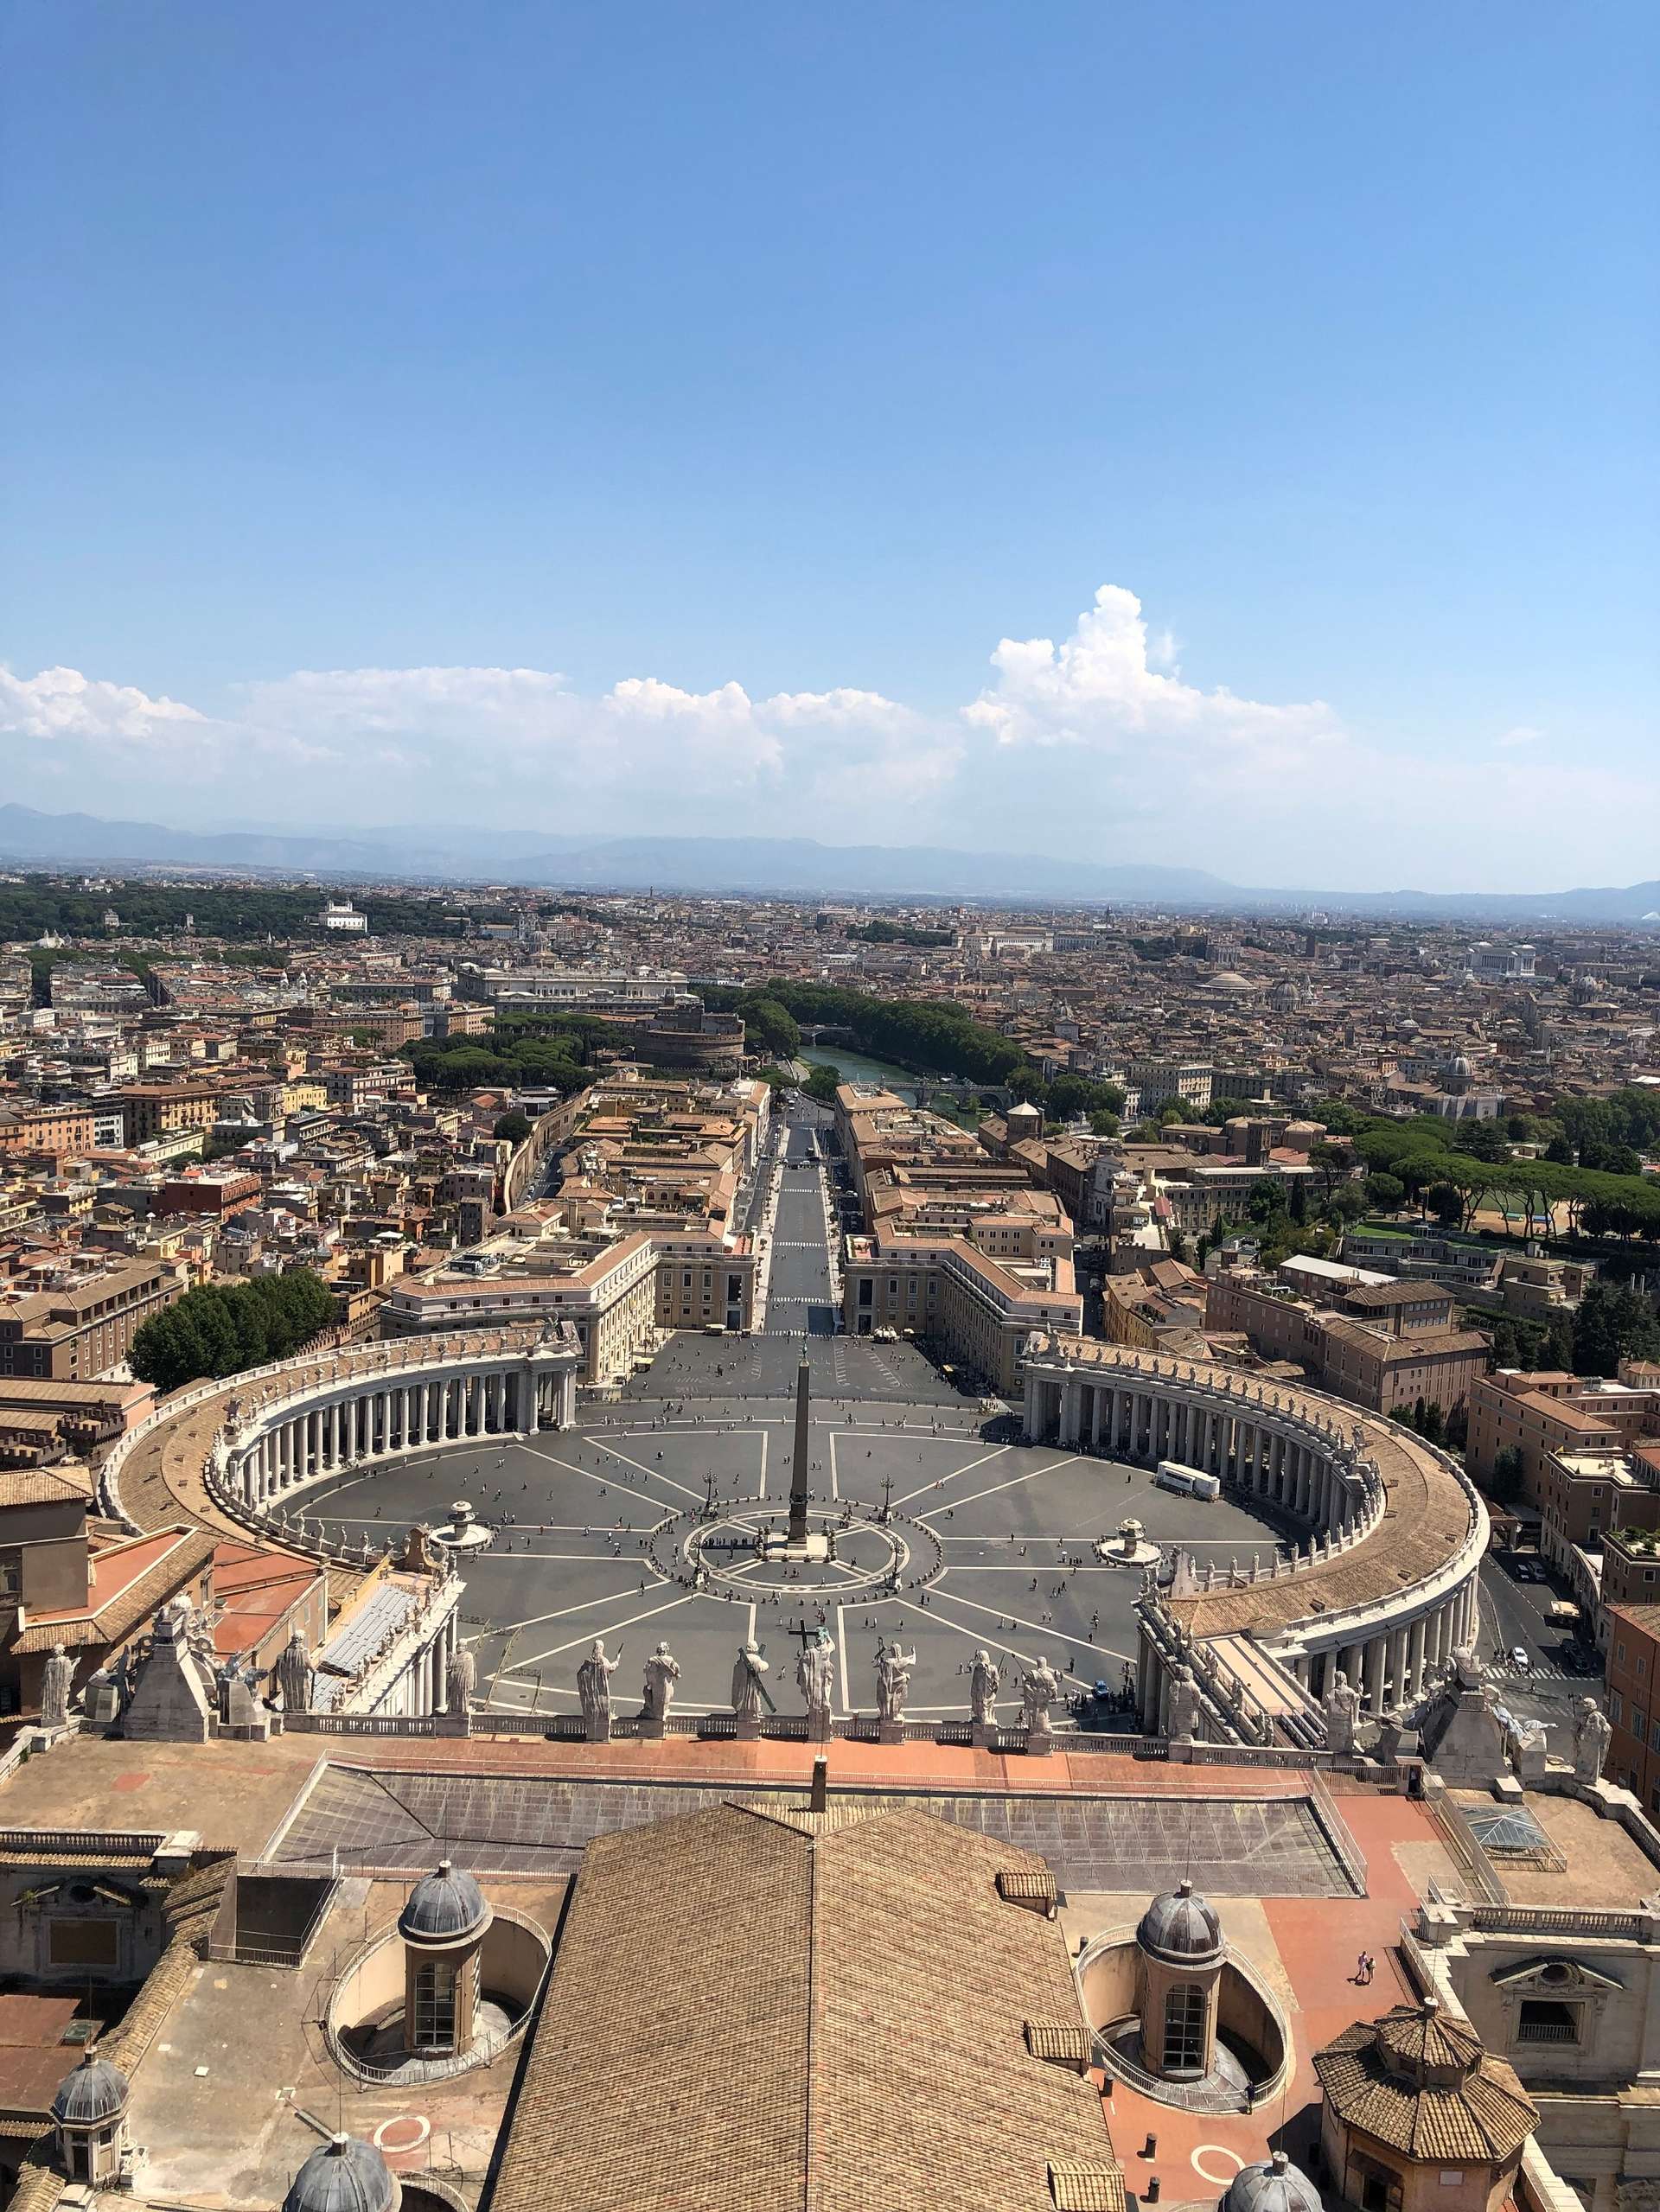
<point x="1191" y="1482"/>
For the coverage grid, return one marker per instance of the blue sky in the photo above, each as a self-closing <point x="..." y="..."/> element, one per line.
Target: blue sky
<point x="583" y="416"/>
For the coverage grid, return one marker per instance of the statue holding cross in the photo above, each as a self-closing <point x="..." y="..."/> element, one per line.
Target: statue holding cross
<point x="815" y="1674"/>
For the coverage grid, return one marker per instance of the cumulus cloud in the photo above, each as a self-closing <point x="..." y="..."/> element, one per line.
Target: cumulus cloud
<point x="61" y="705"/>
<point x="1098" y="692"/>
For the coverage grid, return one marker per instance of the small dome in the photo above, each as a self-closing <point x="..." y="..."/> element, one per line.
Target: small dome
<point x="94" y="2093"/>
<point x="1181" y="1928"/>
<point x="1276" y="2186"/>
<point x="342" y="2175"/>
<point x="443" y="1907"/>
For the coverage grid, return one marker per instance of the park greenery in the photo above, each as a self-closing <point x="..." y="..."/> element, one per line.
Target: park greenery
<point x="536" y="1051"/>
<point x="240" y="914"/>
<point x="220" y="1329"/>
<point x="1449" y="1171"/>
<point x="894" y="932"/>
<point x="513" y="1126"/>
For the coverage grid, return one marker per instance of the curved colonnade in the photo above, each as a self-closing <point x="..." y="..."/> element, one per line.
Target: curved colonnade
<point x="256" y="1438"/>
<point x="1384" y="1585"/>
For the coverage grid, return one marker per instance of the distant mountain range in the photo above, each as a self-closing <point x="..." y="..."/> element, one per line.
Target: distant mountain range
<point x="787" y="867"/>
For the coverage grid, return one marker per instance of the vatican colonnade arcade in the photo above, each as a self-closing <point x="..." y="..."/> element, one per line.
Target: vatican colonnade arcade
<point x="1386" y="1534"/>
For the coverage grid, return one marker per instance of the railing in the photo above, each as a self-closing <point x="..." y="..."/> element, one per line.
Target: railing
<point x="484" y="2051"/>
<point x="1555" y="1920"/>
<point x="1336" y="1831"/>
<point x="1462" y="1840"/>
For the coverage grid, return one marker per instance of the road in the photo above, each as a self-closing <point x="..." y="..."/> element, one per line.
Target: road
<point x="1514" y="1615"/>
<point x="801" y="1295"/>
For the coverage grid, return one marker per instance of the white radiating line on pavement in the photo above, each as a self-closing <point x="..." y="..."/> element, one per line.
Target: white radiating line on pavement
<point x="953" y="1475"/>
<point x="610" y="1627"/>
<point x="1050" y="1633"/>
<point x="1048" y="1638"/>
<point x="652" y="1474"/>
<point x="1013" y="1483"/>
<point x="761" y="1491"/>
<point x="834" y="1492"/>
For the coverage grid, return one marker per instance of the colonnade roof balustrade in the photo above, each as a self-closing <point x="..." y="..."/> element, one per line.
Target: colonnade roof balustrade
<point x="1432" y="1520"/>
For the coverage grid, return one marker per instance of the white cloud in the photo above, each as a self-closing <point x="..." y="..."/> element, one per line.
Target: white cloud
<point x="1094" y="747"/>
<point x="61" y="705"/>
<point x="1099" y="693"/>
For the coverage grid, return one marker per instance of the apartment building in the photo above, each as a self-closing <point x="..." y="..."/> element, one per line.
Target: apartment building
<point x="85" y="1327"/>
<point x="53" y="1129"/>
<point x="968" y="1250"/>
<point x="1383" y="1347"/>
<point x="1547" y="1413"/>
<point x="154" y="1111"/>
<point x="1632" y="1698"/>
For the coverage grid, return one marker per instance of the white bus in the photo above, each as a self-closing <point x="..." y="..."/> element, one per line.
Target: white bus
<point x="1192" y="1481"/>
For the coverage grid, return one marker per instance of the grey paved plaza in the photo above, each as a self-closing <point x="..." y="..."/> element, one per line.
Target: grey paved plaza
<point x="597" y="1529"/>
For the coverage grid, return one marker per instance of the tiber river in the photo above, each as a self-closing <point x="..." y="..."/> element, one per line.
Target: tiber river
<point x="855" y="1069"/>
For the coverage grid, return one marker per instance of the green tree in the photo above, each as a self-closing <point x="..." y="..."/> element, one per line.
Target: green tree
<point x="1386" y="1193"/>
<point x="823" y="1083"/>
<point x="769" y="1028"/>
<point x="513" y="1126"/>
<point x="1614" y="1322"/>
<point x="1504" y="1483"/>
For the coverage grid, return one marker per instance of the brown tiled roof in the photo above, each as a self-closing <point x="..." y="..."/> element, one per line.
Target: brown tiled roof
<point x="827" y="2013"/>
<point x="1085" y="2185"/>
<point x="129" y="1607"/>
<point x="42" y="1486"/>
<point x="1424" y="2084"/>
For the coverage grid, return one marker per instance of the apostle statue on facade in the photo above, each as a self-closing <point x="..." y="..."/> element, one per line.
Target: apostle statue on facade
<point x="815" y="1676"/>
<point x="56" y="1678"/>
<point x="594" y="1688"/>
<point x="749" y="1683"/>
<point x="893" y="1666"/>
<point x="662" y="1672"/>
<point x="983" y="1685"/>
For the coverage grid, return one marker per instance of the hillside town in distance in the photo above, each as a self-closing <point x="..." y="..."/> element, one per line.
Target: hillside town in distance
<point x="539" y="1427"/>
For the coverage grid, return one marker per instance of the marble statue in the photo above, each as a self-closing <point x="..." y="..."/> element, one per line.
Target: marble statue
<point x="460" y="1679"/>
<point x="295" y="1675"/>
<point x="1525" y="1743"/>
<point x="1593" y="1731"/>
<point x="1185" y="1709"/>
<point x="1392" y="1730"/>
<point x="1039" y="1687"/>
<point x="815" y="1676"/>
<point x="748" y="1687"/>
<point x="594" y="1688"/>
<point x="56" y="1676"/>
<point x="893" y="1667"/>
<point x="1342" y="1706"/>
<point x="983" y="1685"/>
<point x="662" y="1672"/>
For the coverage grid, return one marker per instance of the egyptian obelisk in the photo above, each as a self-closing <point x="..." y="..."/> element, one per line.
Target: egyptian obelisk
<point x="797" y="1535"/>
